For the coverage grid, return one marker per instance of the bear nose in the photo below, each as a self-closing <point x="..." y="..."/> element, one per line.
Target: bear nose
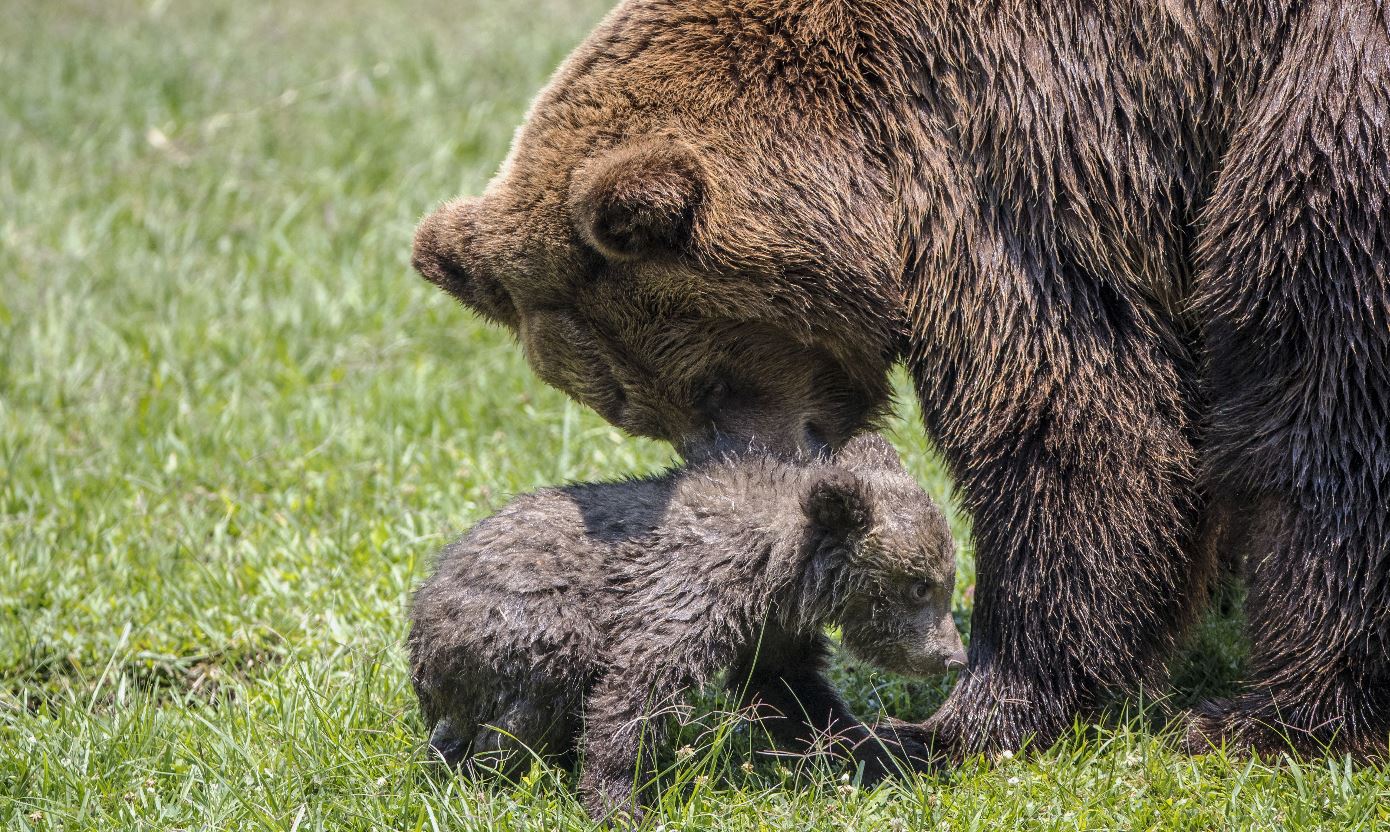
<point x="438" y="242"/>
<point x="957" y="661"/>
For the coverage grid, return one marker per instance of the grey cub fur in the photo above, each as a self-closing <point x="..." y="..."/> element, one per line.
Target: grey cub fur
<point x="602" y="603"/>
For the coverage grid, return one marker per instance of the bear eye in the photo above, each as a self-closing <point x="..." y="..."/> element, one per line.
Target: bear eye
<point x="712" y="397"/>
<point x="920" y="592"/>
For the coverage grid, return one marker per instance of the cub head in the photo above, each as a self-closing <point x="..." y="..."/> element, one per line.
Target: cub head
<point x="692" y="238"/>
<point x="892" y="556"/>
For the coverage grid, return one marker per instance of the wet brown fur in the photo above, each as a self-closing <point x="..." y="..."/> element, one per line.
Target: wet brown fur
<point x="1134" y="254"/>
<point x="608" y="601"/>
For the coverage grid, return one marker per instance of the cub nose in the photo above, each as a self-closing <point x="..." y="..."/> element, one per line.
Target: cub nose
<point x="957" y="661"/>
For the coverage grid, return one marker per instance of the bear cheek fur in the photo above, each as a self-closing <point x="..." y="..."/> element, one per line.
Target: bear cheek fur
<point x="912" y="641"/>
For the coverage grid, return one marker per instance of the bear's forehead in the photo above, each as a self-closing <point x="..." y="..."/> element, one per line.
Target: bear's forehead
<point x="912" y="532"/>
<point x="711" y="73"/>
<point x="715" y="54"/>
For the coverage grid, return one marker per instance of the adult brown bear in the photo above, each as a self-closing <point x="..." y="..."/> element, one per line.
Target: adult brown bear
<point x="1134" y="253"/>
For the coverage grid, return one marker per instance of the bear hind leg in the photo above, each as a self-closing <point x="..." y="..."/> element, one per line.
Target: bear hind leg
<point x="1319" y="618"/>
<point x="1295" y="308"/>
<point x="529" y="727"/>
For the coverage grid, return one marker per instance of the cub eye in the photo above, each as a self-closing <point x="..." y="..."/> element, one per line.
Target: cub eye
<point x="920" y="592"/>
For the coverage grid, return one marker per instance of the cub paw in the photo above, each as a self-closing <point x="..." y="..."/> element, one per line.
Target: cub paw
<point x="896" y="749"/>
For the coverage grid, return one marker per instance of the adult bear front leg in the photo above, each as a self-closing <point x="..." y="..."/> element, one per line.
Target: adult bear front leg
<point x="1058" y="398"/>
<point x="1296" y="306"/>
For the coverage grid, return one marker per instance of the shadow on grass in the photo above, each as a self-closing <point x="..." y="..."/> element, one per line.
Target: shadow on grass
<point x="1213" y="662"/>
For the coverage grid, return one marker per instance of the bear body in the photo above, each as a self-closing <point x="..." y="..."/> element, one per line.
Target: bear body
<point x="1133" y="253"/>
<point x="599" y="604"/>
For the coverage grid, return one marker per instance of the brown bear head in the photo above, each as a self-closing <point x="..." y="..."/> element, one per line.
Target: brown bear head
<point x="892" y="556"/>
<point x="690" y="235"/>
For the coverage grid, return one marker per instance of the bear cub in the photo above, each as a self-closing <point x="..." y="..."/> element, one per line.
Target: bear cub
<point x="596" y="606"/>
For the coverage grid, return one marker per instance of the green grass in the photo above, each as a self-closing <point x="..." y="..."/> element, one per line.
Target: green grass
<point x="234" y="427"/>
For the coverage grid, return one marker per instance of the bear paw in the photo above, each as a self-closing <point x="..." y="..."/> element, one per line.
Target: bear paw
<point x="1255" y="724"/>
<point x="897" y="748"/>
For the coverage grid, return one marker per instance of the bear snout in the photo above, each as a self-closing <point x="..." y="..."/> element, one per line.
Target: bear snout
<point x="445" y="253"/>
<point x="435" y="250"/>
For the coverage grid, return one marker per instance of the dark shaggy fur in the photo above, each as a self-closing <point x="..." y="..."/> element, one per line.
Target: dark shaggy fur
<point x="1134" y="254"/>
<point x="605" y="602"/>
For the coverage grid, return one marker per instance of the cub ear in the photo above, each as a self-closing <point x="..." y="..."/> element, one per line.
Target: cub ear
<point x="869" y="452"/>
<point x="838" y="503"/>
<point x="638" y="200"/>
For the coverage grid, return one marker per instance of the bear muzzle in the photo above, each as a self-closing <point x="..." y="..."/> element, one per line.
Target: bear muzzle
<point x="432" y="253"/>
<point x="442" y="254"/>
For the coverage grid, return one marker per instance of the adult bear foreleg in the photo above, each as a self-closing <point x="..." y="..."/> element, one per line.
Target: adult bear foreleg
<point x="1058" y="399"/>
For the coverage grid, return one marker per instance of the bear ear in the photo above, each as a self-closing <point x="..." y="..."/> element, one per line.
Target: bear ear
<point x="869" y="452"/>
<point x="638" y="200"/>
<point x="838" y="504"/>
